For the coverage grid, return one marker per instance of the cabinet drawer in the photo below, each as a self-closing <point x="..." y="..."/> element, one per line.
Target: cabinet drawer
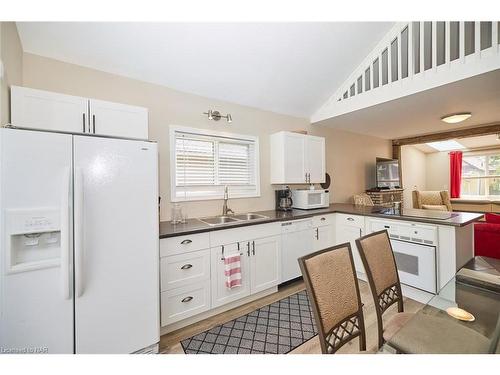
<point x="181" y="303"/>
<point x="322" y="220"/>
<point x="183" y="269"/>
<point x="353" y="220"/>
<point x="184" y="244"/>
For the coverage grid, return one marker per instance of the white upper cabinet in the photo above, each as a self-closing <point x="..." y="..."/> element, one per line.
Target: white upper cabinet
<point x="297" y="158"/>
<point x="315" y="158"/>
<point x="46" y="110"/>
<point x="107" y="118"/>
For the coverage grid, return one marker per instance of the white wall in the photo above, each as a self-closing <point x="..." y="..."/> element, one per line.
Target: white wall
<point x="438" y="171"/>
<point x="11" y="55"/>
<point x="414" y="168"/>
<point x="350" y="157"/>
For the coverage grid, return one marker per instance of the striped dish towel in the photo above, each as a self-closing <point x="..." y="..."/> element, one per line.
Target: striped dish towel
<point x="232" y="271"/>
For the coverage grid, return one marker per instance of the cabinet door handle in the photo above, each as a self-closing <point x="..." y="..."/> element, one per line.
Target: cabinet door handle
<point x="186" y="266"/>
<point x="248" y="248"/>
<point x="187" y="299"/>
<point x="83" y="131"/>
<point x="186" y="242"/>
<point x="322" y="219"/>
<point x="306" y="177"/>
<point x="93" y="124"/>
<point x="253" y="247"/>
<point x="317" y="233"/>
<point x="350" y="219"/>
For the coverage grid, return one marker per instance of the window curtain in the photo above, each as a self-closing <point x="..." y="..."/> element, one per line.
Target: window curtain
<point x="455" y="173"/>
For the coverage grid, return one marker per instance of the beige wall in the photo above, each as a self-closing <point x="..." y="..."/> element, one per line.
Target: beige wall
<point x="438" y="171"/>
<point x="414" y="172"/>
<point x="11" y="54"/>
<point x="350" y="157"/>
<point x="424" y="171"/>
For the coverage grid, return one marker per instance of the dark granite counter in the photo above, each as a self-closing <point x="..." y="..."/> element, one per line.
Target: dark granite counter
<point x="457" y="219"/>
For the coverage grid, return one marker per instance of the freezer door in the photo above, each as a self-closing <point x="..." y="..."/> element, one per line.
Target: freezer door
<point x="36" y="280"/>
<point x="116" y="245"/>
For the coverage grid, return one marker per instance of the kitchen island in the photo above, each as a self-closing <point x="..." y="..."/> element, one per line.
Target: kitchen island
<point x="429" y="246"/>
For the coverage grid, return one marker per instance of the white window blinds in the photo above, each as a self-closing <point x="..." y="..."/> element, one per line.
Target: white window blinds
<point x="205" y="163"/>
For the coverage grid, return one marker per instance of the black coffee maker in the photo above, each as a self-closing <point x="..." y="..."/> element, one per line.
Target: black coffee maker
<point x="284" y="199"/>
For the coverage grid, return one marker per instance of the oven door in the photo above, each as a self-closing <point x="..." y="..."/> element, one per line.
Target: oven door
<point x="416" y="264"/>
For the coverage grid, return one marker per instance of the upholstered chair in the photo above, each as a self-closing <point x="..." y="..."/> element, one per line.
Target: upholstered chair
<point x="376" y="253"/>
<point x="362" y="200"/>
<point x="332" y="287"/>
<point x="432" y="200"/>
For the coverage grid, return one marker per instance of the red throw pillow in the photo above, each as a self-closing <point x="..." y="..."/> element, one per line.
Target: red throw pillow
<point x="492" y="218"/>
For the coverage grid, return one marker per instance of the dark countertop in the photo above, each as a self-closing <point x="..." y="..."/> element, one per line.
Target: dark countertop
<point x="459" y="219"/>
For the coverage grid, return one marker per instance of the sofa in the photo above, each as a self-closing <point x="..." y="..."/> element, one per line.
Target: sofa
<point x="487" y="236"/>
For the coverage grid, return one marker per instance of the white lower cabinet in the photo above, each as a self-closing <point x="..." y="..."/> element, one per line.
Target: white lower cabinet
<point x="265" y="263"/>
<point x="323" y="232"/>
<point x="184" y="269"/>
<point x="181" y="303"/>
<point x="220" y="293"/>
<point x="260" y="268"/>
<point x="348" y="229"/>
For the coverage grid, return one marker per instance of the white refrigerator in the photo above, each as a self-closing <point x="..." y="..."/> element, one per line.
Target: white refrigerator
<point x="79" y="260"/>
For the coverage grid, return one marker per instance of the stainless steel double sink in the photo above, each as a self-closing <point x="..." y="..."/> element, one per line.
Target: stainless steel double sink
<point x="233" y="219"/>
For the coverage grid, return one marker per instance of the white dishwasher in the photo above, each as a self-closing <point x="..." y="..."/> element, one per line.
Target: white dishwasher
<point x="296" y="241"/>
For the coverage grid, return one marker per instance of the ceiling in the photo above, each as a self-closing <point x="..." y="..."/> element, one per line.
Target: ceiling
<point x="471" y="143"/>
<point x="421" y="113"/>
<point x="289" y="68"/>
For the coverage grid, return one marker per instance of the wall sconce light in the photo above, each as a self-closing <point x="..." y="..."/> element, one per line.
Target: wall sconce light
<point x="216" y="116"/>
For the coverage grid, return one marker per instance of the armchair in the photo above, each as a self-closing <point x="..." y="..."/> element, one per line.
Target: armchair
<point x="432" y="200"/>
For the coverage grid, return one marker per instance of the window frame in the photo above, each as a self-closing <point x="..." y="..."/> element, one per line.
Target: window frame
<point x="486" y="177"/>
<point x="173" y="129"/>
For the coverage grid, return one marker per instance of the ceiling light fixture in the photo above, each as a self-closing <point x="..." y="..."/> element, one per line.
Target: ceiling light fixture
<point x="457" y="117"/>
<point x="216" y="116"/>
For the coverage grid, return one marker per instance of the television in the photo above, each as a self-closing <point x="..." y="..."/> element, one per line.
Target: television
<point x="387" y="173"/>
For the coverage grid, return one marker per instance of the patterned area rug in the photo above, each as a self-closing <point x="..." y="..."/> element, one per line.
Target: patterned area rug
<point x="273" y="329"/>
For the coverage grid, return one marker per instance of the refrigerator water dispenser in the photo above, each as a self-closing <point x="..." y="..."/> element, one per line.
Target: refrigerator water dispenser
<point x="33" y="239"/>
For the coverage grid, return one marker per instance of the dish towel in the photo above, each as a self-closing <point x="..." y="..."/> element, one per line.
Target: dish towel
<point x="232" y="271"/>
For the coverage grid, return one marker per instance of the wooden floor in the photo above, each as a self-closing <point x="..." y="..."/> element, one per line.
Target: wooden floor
<point x="170" y="343"/>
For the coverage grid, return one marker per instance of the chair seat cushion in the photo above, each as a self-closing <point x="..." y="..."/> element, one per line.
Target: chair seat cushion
<point x="435" y="207"/>
<point x="427" y="334"/>
<point x="395" y="323"/>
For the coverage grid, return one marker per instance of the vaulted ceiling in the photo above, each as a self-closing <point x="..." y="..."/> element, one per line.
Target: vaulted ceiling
<point x="290" y="68"/>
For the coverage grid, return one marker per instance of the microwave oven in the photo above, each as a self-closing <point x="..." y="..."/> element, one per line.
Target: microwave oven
<point x="307" y="199"/>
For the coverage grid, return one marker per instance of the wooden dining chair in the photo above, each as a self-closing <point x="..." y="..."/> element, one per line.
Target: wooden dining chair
<point x="332" y="287"/>
<point x="376" y="254"/>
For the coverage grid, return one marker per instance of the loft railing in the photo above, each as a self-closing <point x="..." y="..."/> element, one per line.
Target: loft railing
<point x="412" y="51"/>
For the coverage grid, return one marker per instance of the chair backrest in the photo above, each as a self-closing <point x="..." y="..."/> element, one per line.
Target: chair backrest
<point x="333" y="290"/>
<point x="362" y="200"/>
<point x="378" y="259"/>
<point x="431" y="198"/>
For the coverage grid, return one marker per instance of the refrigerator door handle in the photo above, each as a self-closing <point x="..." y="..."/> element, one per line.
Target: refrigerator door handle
<point x="65" y="249"/>
<point x="78" y="232"/>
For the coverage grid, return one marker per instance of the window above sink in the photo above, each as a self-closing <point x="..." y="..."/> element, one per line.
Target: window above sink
<point x="202" y="162"/>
